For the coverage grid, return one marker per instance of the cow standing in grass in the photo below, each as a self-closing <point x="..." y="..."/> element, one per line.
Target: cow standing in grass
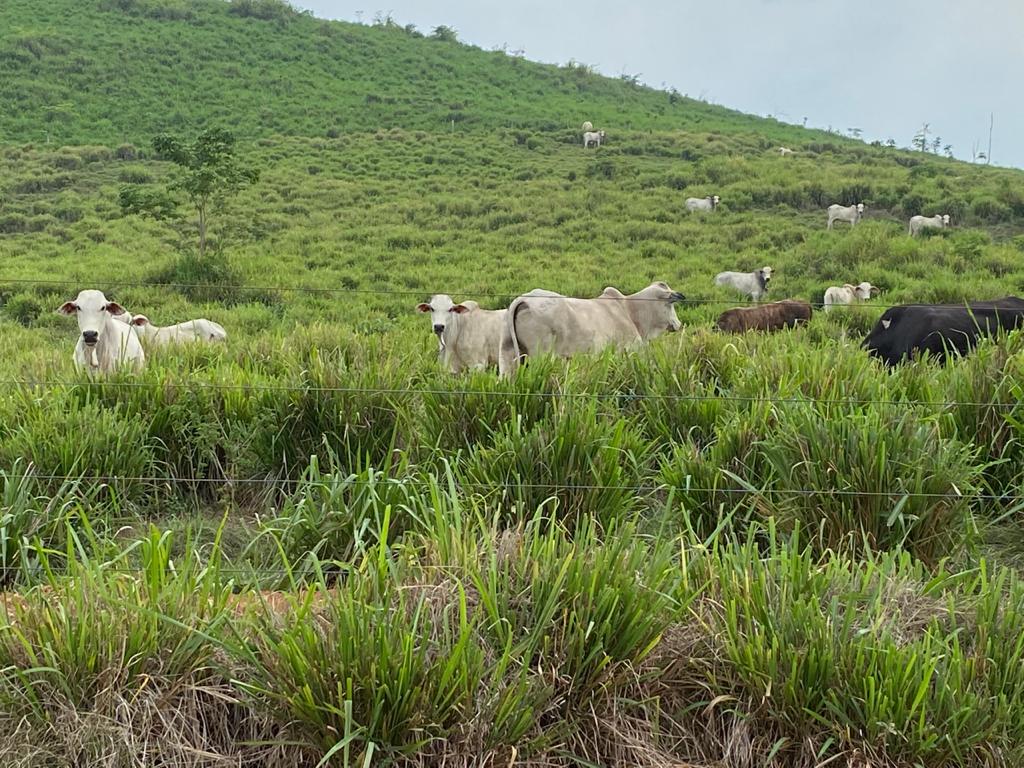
<point x="544" y="322"/>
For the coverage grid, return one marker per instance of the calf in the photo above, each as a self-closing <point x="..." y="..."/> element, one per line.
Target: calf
<point x="848" y="294"/>
<point x="467" y="337"/>
<point x="908" y="330"/>
<point x="593" y="137"/>
<point x="104" y="344"/>
<point x="787" y="313"/>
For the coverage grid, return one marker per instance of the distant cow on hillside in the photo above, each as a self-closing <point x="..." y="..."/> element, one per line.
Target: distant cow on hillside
<point x="905" y="331"/>
<point x="917" y="223"/>
<point x="849" y="213"/>
<point x="787" y="313"/>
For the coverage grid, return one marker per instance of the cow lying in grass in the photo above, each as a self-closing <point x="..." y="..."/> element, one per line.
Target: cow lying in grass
<point x="787" y="313"/>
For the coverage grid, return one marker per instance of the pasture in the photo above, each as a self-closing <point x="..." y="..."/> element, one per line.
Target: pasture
<point x="311" y="545"/>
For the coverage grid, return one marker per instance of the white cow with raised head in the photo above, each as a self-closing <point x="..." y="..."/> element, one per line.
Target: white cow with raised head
<point x="850" y="213"/>
<point x="468" y="338"/>
<point x="104" y="344"/>
<point x="544" y="322"/>
<point x="753" y="284"/>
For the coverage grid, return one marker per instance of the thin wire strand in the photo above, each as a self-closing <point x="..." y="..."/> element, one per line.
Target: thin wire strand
<point x="388" y="291"/>
<point x="392" y="481"/>
<point x="410" y="391"/>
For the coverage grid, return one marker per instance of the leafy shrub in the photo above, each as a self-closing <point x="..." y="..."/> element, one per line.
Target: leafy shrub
<point x="23" y="308"/>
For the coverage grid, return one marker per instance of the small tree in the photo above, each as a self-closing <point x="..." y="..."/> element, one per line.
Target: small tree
<point x="209" y="174"/>
<point x="445" y="33"/>
<point x="920" y="140"/>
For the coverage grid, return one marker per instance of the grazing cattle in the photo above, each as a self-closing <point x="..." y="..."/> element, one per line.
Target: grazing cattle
<point x="850" y="213"/>
<point x="593" y="137"/>
<point x="545" y="322"/>
<point x="785" y="151"/>
<point x="467" y="337"/>
<point x="702" y="203"/>
<point x="753" y="284"/>
<point x="787" y="313"/>
<point x="104" y="344"/>
<point x="938" y="221"/>
<point x="202" y="330"/>
<point x="587" y="126"/>
<point x="910" y="329"/>
<point x="849" y="294"/>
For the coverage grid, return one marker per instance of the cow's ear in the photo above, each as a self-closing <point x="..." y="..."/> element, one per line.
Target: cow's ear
<point x="114" y="308"/>
<point x="140" y="320"/>
<point x="67" y="308"/>
<point x="423" y="308"/>
<point x="459" y="309"/>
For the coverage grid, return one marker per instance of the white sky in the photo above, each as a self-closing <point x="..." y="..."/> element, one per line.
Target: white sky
<point x="882" y="66"/>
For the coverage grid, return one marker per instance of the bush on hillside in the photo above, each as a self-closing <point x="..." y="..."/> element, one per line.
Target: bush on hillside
<point x="266" y="10"/>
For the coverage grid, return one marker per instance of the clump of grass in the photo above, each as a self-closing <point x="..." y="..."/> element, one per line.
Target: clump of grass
<point x="883" y="478"/>
<point x="379" y="672"/>
<point x="574" y="461"/>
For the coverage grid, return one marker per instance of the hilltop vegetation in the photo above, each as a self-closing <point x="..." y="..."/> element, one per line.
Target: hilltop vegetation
<point x="715" y="550"/>
<point x="111" y="71"/>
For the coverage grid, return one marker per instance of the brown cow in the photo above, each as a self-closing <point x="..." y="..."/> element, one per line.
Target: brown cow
<point x="765" y="317"/>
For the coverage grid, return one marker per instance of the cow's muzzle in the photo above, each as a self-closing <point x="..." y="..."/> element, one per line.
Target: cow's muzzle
<point x="90" y="337"/>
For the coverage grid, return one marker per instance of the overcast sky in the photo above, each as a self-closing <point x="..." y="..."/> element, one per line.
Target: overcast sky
<point x="884" y="66"/>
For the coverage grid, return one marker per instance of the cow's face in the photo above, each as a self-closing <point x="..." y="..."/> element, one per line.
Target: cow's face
<point x="441" y="309"/>
<point x="657" y="310"/>
<point x="92" y="309"/>
<point x="945" y="219"/>
<point x="865" y="291"/>
<point x="766" y="275"/>
<point x="860" y="208"/>
<point x="883" y="340"/>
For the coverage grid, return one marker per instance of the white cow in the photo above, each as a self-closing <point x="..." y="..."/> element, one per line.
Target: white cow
<point x="104" y="344"/>
<point x="467" y="337"/>
<point x="938" y="221"/>
<point x="849" y="294"/>
<point x="753" y="284"/>
<point x="785" y="151"/>
<point x="850" y="213"/>
<point x="542" y="322"/>
<point x="202" y="330"/>
<point x="702" y="203"/>
<point x="593" y="137"/>
<point x="587" y="126"/>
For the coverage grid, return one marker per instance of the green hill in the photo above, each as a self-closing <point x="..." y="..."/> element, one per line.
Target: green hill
<point x="109" y="71"/>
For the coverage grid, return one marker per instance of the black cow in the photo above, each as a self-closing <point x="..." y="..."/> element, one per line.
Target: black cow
<point x="940" y="328"/>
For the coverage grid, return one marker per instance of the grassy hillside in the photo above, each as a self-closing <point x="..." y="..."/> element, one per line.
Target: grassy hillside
<point x="109" y="71"/>
<point x="311" y="543"/>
